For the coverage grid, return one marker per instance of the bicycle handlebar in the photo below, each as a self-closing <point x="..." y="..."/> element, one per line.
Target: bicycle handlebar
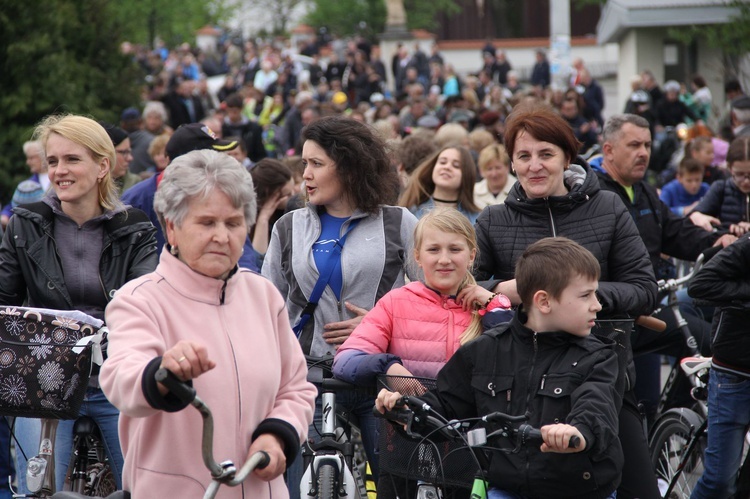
<point x="225" y="473"/>
<point x="177" y="387"/>
<point x="667" y="285"/>
<point x="409" y="410"/>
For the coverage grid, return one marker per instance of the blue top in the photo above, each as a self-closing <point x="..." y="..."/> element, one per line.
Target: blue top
<point x="676" y="197"/>
<point x="329" y="235"/>
<point x="422" y="209"/>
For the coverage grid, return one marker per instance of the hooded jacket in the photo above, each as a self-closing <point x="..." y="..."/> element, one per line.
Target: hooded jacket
<point x="551" y="377"/>
<point x="594" y="218"/>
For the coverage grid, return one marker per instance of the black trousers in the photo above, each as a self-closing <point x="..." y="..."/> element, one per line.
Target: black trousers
<point x="638" y="477"/>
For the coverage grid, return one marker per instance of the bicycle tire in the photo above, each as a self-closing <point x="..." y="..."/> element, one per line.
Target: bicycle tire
<point x="327" y="481"/>
<point x="671" y="439"/>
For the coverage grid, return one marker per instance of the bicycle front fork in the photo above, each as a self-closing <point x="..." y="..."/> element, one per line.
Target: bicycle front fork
<point x="40" y="469"/>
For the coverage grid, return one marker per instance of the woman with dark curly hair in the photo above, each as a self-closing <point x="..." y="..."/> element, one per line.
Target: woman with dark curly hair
<point x="349" y="183"/>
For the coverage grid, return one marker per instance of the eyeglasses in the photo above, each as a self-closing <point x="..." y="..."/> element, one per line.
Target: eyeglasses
<point x="124" y="152"/>
<point x="740" y="176"/>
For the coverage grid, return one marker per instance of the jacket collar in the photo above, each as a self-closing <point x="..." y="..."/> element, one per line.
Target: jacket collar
<point x="191" y="284"/>
<point x="580" y="181"/>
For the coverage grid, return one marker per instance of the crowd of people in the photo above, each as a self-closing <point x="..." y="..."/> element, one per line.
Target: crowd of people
<point x="318" y="211"/>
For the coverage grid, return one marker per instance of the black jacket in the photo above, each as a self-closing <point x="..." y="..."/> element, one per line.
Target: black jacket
<point x="31" y="272"/>
<point x="595" y="219"/>
<point x="661" y="230"/>
<point x="551" y="378"/>
<point x="725" y="202"/>
<point x="725" y="279"/>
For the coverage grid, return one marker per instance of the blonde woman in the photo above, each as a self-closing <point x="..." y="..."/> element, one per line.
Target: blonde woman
<point x="72" y="251"/>
<point x="494" y="165"/>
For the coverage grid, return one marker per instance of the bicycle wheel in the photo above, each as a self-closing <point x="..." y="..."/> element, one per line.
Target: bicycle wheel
<point x="677" y="457"/>
<point x="327" y="481"/>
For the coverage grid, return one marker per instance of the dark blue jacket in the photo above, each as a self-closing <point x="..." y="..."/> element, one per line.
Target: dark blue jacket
<point x="725" y="202"/>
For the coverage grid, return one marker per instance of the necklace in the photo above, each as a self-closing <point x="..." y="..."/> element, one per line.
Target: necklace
<point x="444" y="201"/>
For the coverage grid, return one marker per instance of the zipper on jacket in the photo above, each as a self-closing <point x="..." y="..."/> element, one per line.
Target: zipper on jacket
<point x="747" y="207"/>
<point x="223" y="293"/>
<point x="101" y="280"/>
<point x="451" y="331"/>
<point x="528" y="397"/>
<point x="551" y="219"/>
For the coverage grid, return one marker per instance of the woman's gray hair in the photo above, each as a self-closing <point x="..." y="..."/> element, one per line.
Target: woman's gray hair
<point x="196" y="174"/>
<point x="155" y="107"/>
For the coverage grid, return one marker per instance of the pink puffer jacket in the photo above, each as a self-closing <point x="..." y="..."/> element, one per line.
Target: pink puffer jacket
<point x="414" y="324"/>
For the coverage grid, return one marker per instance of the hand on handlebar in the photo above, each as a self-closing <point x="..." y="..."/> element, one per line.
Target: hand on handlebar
<point x="705" y="222"/>
<point x="557" y="437"/>
<point x="187" y="360"/>
<point x="274" y="448"/>
<point x="386" y="400"/>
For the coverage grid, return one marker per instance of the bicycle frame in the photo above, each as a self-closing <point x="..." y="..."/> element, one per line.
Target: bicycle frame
<point x="670" y="286"/>
<point x="40" y="469"/>
<point x="330" y="450"/>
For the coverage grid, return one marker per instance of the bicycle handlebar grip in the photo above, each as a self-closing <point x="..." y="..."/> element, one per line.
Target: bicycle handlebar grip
<point x="574" y="442"/>
<point x="652" y="323"/>
<point x="529" y="434"/>
<point x="264" y="461"/>
<point x="179" y="389"/>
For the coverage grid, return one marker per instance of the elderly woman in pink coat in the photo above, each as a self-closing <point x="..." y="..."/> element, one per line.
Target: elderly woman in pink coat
<point x="210" y="322"/>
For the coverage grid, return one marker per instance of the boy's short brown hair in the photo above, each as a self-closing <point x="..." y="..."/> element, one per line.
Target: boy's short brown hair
<point x="550" y="264"/>
<point x="689" y="166"/>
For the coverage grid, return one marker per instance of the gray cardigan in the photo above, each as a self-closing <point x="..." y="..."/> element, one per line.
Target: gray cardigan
<point x="378" y="253"/>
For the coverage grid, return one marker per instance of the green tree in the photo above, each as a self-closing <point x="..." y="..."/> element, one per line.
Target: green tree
<point x="349" y="17"/>
<point x="174" y="22"/>
<point x="732" y="38"/>
<point x="61" y="58"/>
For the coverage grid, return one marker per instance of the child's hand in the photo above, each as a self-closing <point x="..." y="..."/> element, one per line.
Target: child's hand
<point x="557" y="436"/>
<point x="472" y="297"/>
<point x="386" y="400"/>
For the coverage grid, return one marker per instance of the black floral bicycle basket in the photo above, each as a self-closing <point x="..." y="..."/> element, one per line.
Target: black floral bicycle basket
<point x="45" y="362"/>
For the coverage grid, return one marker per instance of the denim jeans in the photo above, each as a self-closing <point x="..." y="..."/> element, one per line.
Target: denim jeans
<point x="358" y="405"/>
<point x="6" y="465"/>
<point x="97" y="407"/>
<point x="503" y="494"/>
<point x="728" y="417"/>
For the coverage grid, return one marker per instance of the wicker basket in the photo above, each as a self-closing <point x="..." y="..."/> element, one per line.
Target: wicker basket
<point x="446" y="463"/>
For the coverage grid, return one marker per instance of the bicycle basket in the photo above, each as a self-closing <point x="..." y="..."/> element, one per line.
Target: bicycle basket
<point x="446" y="463"/>
<point x="45" y="363"/>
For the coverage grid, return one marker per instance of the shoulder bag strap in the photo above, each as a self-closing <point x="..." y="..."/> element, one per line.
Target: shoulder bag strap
<point x="323" y="278"/>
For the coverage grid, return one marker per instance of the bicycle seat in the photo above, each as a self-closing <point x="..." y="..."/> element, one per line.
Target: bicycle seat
<point x="691" y="365"/>
<point x="120" y="494"/>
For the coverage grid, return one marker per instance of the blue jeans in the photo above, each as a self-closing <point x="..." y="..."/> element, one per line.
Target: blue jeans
<point x="6" y="466"/>
<point x="97" y="407"/>
<point x="728" y="417"/>
<point x="493" y="493"/>
<point x="359" y="406"/>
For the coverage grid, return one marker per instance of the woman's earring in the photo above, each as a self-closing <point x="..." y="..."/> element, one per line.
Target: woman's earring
<point x="173" y="250"/>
